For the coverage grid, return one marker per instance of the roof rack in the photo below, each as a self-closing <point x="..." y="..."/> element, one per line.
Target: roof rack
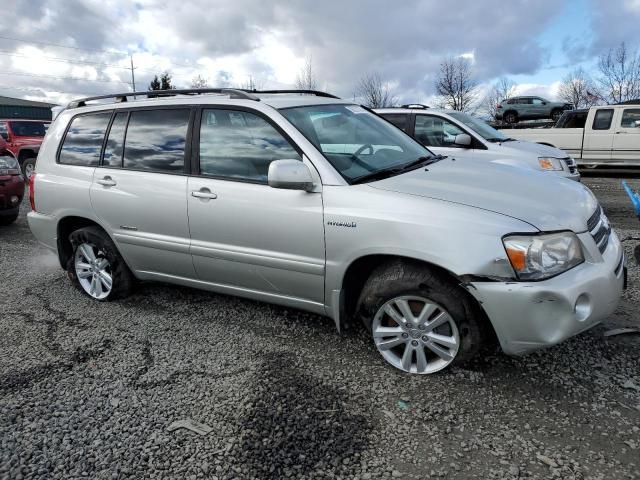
<point x="298" y="91"/>
<point x="239" y="93"/>
<point x="122" y="97"/>
<point x="635" y="101"/>
<point x="415" y="105"/>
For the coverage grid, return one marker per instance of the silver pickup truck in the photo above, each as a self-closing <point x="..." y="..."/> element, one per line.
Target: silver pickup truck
<point x="610" y="136"/>
<point x="313" y="202"/>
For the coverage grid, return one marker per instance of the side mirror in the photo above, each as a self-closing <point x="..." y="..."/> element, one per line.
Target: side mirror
<point x="636" y="123"/>
<point x="463" y="140"/>
<point x="544" y="103"/>
<point x="290" y="175"/>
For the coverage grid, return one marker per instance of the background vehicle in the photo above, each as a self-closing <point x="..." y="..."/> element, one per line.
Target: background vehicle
<point x="514" y="109"/>
<point x="610" y="136"/>
<point x="11" y="186"/>
<point x="23" y="139"/>
<point x="460" y="135"/>
<point x="312" y="202"/>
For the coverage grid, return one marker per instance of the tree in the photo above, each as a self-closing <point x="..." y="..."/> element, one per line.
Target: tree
<point x="502" y="89"/>
<point x="620" y="74"/>
<point x="579" y="89"/>
<point x="199" y="82"/>
<point x="306" y="79"/>
<point x="374" y="93"/>
<point x="251" y="84"/>
<point x="456" y="85"/>
<point x="164" y="83"/>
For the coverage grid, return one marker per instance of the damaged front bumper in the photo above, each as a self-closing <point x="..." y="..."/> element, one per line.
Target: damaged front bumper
<point x="530" y="315"/>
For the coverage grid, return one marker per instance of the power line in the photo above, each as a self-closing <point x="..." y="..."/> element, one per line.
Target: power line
<point x="60" y="59"/>
<point x="62" y="78"/>
<point x="63" y="46"/>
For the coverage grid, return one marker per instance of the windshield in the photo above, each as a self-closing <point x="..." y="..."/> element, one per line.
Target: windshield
<point x="481" y="128"/>
<point x="28" y="129"/>
<point x="356" y="142"/>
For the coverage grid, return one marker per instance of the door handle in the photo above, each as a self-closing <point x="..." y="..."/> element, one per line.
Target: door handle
<point x="107" y="182"/>
<point x="621" y="132"/>
<point x="204" y="193"/>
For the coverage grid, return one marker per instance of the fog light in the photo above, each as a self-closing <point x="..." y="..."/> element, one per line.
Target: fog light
<point x="14" y="199"/>
<point x="582" y="308"/>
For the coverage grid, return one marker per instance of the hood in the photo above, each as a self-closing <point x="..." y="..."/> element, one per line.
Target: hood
<point x="547" y="202"/>
<point x="534" y="148"/>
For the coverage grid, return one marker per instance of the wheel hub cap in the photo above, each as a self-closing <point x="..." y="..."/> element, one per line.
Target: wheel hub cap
<point x="93" y="271"/>
<point x="415" y="334"/>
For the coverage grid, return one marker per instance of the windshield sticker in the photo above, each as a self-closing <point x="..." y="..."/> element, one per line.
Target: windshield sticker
<point x="356" y="109"/>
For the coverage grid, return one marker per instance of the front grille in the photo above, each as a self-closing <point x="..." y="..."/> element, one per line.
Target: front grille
<point x="599" y="228"/>
<point x="571" y="165"/>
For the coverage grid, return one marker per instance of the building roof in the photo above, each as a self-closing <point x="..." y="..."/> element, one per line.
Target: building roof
<point x="19" y="102"/>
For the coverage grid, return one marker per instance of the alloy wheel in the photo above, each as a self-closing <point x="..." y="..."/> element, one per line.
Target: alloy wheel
<point x="28" y="170"/>
<point x="415" y="334"/>
<point x="93" y="271"/>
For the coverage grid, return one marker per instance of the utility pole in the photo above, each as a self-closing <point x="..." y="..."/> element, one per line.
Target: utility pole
<point x="133" y="78"/>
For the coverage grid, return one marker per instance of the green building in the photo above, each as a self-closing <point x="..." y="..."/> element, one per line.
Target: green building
<point x="19" y="108"/>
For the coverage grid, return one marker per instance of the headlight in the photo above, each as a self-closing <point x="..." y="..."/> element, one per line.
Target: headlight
<point x="550" y="163"/>
<point x="8" y="165"/>
<point x="535" y="257"/>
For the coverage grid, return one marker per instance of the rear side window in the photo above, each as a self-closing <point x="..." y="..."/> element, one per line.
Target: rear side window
<point x="83" y="142"/>
<point x="629" y="118"/>
<point x="155" y="140"/>
<point x="602" y="119"/>
<point x="399" y="120"/>
<point x="240" y="145"/>
<point x="115" y="141"/>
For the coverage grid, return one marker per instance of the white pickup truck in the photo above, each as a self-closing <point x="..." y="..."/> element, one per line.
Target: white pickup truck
<point x="609" y="136"/>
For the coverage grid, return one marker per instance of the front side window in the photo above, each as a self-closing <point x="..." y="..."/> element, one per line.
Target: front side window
<point x="436" y="132"/>
<point x="356" y="142"/>
<point x="28" y="129"/>
<point x="537" y="101"/>
<point x="240" y="145"/>
<point x="630" y="118"/>
<point x="83" y="142"/>
<point x="480" y="127"/>
<point x="155" y="140"/>
<point x="602" y="119"/>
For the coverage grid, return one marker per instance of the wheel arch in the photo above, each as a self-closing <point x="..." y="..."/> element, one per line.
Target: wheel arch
<point x="359" y="270"/>
<point x="65" y="227"/>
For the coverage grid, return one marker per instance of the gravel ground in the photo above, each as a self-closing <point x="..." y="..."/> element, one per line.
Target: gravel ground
<point x="88" y="390"/>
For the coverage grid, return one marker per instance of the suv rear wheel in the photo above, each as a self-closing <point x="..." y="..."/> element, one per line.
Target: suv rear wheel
<point x="420" y="321"/>
<point x="28" y="167"/>
<point x="96" y="268"/>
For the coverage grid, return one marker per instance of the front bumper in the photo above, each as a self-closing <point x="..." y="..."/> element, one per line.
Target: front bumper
<point x="530" y="315"/>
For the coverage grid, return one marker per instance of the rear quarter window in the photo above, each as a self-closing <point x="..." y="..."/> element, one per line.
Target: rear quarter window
<point x="82" y="143"/>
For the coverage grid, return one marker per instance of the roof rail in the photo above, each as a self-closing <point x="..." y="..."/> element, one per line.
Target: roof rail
<point x="415" y="105"/>
<point x="122" y="97"/>
<point x="635" y="101"/>
<point x="301" y="92"/>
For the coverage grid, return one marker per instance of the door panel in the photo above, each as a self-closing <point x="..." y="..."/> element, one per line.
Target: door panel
<point x="147" y="214"/>
<point x="598" y="140"/>
<point x="626" y="140"/>
<point x="257" y="237"/>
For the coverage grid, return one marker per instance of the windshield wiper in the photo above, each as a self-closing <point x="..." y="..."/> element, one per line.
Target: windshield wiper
<point x="389" y="172"/>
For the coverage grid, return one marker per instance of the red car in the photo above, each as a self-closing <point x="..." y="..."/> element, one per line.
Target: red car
<point x="11" y="186"/>
<point x="23" y="138"/>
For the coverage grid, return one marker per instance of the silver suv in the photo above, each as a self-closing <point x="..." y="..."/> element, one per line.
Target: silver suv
<point x="316" y="203"/>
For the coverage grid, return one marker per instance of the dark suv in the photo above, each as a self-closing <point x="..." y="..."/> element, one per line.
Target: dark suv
<point x="11" y="186"/>
<point x="514" y="109"/>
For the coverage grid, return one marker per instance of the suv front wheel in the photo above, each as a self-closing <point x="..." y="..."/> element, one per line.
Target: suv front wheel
<point x="96" y="268"/>
<point x="421" y="322"/>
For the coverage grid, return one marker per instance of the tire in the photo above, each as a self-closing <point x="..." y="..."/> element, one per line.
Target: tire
<point x="511" y="117"/>
<point x="28" y="167"/>
<point x="556" y="114"/>
<point x="8" y="219"/>
<point x="392" y="284"/>
<point x="89" y="277"/>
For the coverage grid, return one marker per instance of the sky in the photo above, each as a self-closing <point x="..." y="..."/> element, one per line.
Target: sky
<point x="57" y="50"/>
